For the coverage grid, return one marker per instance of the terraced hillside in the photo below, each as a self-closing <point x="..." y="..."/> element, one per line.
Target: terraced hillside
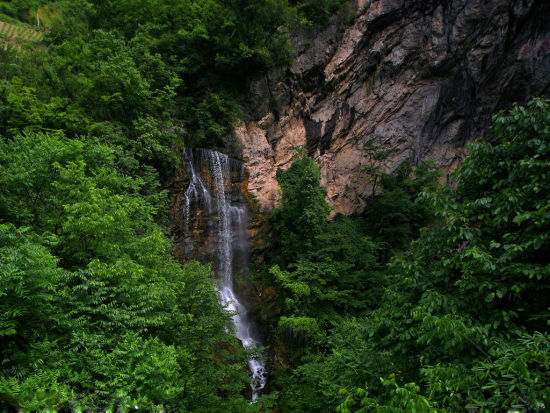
<point x="16" y="35"/>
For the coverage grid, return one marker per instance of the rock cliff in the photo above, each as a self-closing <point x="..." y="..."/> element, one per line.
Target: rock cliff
<point x="419" y="77"/>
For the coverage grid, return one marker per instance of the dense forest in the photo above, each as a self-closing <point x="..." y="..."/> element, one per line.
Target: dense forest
<point x="433" y="298"/>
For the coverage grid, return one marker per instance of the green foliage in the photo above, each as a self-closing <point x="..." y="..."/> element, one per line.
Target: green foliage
<point x="476" y="282"/>
<point x="299" y="326"/>
<point x="71" y="188"/>
<point x="28" y="279"/>
<point x="96" y="314"/>
<point x="394" y="217"/>
<point x="333" y="276"/>
<point x="303" y="210"/>
<point x="213" y="47"/>
<point x="402" y="399"/>
<point x="462" y="316"/>
<point x="124" y="60"/>
<point x="377" y="157"/>
<point x="318" y="12"/>
<point x="488" y="282"/>
<point x="326" y="269"/>
<point x="211" y="119"/>
<point x="20" y="9"/>
<point x="103" y="87"/>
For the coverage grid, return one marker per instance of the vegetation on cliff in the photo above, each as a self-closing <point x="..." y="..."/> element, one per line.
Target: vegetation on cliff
<point x="458" y="319"/>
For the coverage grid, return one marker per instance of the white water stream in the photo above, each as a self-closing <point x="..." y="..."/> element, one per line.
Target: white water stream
<point x="231" y="230"/>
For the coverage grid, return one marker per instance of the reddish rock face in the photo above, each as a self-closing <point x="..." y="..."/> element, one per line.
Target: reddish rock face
<point x="419" y="77"/>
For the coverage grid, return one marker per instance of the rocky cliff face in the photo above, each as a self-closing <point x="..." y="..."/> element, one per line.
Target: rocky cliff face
<point x="419" y="77"/>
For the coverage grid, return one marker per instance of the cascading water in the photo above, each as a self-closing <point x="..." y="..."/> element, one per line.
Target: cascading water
<point x="227" y="217"/>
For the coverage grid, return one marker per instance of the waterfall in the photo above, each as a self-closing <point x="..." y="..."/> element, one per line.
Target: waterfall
<point x="227" y="218"/>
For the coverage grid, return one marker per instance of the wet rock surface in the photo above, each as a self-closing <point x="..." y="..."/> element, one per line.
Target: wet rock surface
<point x="420" y="77"/>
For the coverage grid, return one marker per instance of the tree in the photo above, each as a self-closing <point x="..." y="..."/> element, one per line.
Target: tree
<point x="461" y="319"/>
<point x="337" y="275"/>
<point x="465" y="314"/>
<point x="395" y="216"/>
<point x="303" y="211"/>
<point x="377" y="157"/>
<point x="486" y="292"/>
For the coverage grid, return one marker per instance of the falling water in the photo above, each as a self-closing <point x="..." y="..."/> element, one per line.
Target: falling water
<point x="231" y="228"/>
